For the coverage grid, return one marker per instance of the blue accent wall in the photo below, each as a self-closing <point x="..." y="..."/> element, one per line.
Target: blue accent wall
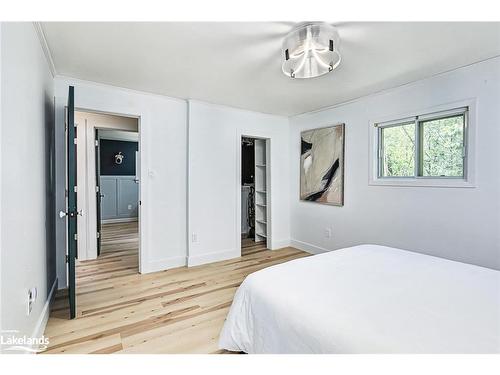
<point x="120" y="197"/>
<point x="109" y="148"/>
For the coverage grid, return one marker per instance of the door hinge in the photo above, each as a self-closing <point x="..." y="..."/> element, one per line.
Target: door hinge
<point x="98" y="235"/>
<point x="75" y="188"/>
<point x="97" y="189"/>
<point x="76" y="236"/>
<point x="75" y="141"/>
<point x="96" y="143"/>
<point x="67" y="259"/>
<point x="66" y="193"/>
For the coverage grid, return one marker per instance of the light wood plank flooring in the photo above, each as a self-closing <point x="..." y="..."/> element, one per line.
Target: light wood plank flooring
<point x="249" y="246"/>
<point x="181" y="310"/>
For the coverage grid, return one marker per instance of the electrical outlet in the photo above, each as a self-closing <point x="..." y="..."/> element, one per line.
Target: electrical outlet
<point x="194" y="237"/>
<point x="328" y="233"/>
<point x="32" y="295"/>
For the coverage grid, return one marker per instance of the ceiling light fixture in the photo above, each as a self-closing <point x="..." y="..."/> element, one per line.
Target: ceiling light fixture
<point x="311" y="50"/>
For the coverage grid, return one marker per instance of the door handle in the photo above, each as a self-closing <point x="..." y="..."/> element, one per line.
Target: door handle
<point x="63" y="214"/>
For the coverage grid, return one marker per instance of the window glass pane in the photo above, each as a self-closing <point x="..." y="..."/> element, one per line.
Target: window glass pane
<point x="398" y="151"/>
<point x="442" y="142"/>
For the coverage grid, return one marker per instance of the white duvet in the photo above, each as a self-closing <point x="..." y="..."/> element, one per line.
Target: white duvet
<point x="366" y="299"/>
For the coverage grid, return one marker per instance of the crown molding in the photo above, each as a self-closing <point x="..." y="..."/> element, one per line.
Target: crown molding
<point x="45" y="47"/>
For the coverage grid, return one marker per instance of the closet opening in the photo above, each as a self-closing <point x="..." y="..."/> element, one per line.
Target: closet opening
<point x="255" y="218"/>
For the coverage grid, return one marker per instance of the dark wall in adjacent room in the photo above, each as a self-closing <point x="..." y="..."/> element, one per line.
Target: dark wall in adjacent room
<point x="247" y="163"/>
<point x="109" y="148"/>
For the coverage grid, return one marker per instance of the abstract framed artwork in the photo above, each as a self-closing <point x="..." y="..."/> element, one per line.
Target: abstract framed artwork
<point x="322" y="165"/>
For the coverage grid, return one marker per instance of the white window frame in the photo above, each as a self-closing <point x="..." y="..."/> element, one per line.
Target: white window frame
<point x="467" y="181"/>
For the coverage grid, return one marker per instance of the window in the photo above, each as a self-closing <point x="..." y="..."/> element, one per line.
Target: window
<point x="397" y="150"/>
<point x="442" y="147"/>
<point x="429" y="146"/>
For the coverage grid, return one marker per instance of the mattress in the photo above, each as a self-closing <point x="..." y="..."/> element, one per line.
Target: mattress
<point x="366" y="299"/>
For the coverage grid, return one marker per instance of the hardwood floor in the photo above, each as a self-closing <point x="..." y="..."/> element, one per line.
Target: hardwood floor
<point x="249" y="246"/>
<point x="181" y="310"/>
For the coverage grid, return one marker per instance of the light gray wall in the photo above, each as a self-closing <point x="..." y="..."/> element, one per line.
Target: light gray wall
<point x="120" y="197"/>
<point x="27" y="164"/>
<point x="455" y="223"/>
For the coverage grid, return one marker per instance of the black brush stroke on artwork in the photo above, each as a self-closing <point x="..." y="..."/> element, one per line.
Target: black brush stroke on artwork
<point x="305" y="146"/>
<point x="328" y="177"/>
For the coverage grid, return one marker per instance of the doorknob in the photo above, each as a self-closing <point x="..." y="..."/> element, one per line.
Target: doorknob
<point x="71" y="214"/>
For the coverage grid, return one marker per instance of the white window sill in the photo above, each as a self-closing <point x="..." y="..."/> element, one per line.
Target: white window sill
<point x="423" y="182"/>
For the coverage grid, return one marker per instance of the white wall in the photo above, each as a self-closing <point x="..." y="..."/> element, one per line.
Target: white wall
<point x="27" y="141"/>
<point x="455" y="223"/>
<point x="163" y="140"/>
<point x="214" y="193"/>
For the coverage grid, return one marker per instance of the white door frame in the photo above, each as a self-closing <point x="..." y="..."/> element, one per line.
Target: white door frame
<point x="90" y="171"/>
<point x="267" y="138"/>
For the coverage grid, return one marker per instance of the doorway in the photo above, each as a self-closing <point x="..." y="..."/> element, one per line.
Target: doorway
<point x="255" y="216"/>
<point x="117" y="196"/>
<point x="108" y="183"/>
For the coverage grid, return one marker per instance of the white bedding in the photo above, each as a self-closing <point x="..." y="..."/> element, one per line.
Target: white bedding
<point x="366" y="299"/>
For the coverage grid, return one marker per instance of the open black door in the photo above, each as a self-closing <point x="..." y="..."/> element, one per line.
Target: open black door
<point x="72" y="212"/>
<point x="98" y="189"/>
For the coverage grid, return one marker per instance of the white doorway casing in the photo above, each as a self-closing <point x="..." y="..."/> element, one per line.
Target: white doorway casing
<point x="267" y="196"/>
<point x="87" y="122"/>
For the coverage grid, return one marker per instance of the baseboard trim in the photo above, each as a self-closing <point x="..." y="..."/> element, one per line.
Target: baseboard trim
<point x="44" y="315"/>
<point x="307" y="247"/>
<point x="120" y="220"/>
<point x="165" y="264"/>
<point x="216" y="256"/>
<point x="280" y="244"/>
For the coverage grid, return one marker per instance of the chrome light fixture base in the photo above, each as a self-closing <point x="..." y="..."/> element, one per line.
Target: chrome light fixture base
<point x="311" y="50"/>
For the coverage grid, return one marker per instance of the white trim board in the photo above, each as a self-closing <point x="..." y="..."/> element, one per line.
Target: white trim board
<point x="215" y="256"/>
<point x="279" y="244"/>
<point x="45" y="47"/>
<point x="44" y="315"/>
<point x="307" y="247"/>
<point x="165" y="264"/>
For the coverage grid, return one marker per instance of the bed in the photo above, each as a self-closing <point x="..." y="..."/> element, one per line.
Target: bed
<point x="366" y="299"/>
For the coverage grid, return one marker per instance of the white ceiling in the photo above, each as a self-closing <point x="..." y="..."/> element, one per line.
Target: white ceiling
<point x="239" y="64"/>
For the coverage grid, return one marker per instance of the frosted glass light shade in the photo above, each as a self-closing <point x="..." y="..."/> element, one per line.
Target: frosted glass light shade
<point x="311" y="51"/>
